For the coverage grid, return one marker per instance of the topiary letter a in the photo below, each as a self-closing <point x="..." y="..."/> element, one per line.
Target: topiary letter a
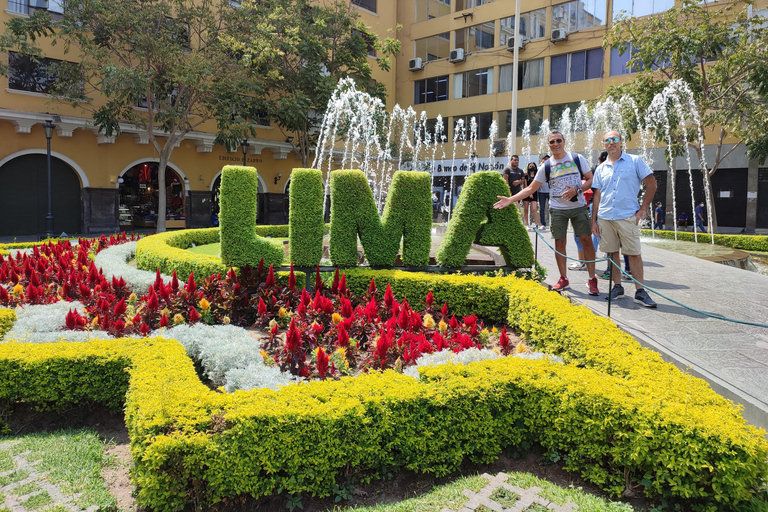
<point x="503" y="228"/>
<point x="240" y="245"/>
<point x="407" y="216"/>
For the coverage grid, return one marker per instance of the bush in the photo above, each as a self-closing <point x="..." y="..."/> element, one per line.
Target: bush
<point x="407" y="216"/>
<point x="240" y="245"/>
<point x="503" y="227"/>
<point x="7" y="319"/>
<point x="743" y="242"/>
<point x="306" y="227"/>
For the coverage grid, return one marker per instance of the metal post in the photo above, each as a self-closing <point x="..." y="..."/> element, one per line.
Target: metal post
<point x="49" y="126"/>
<point x="244" y="145"/>
<point x="610" y="282"/>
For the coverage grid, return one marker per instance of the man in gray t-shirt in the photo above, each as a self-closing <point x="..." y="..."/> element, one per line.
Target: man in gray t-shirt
<point x="567" y="204"/>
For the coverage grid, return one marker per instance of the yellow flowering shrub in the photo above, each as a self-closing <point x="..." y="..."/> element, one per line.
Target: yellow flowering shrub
<point x="615" y="412"/>
<point x="7" y="319"/>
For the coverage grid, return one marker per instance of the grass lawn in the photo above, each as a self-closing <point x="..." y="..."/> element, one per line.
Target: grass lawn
<point x="215" y="249"/>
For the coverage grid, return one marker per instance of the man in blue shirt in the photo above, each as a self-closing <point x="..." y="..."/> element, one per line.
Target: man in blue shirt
<point x="698" y="213"/>
<point x="617" y="184"/>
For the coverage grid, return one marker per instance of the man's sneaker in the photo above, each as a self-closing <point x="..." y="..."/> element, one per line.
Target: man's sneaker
<point x="592" y="285"/>
<point x="529" y="228"/>
<point x="543" y="228"/>
<point x="642" y="298"/>
<point x="562" y="284"/>
<point x="617" y="292"/>
<point x="577" y="265"/>
<point x="605" y="275"/>
<point x="626" y="275"/>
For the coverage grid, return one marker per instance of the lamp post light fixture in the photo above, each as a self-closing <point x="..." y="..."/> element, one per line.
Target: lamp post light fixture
<point x="49" y="126"/>
<point x="244" y="145"/>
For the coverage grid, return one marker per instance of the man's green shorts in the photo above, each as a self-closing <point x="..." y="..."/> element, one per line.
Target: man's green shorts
<point x="580" y="219"/>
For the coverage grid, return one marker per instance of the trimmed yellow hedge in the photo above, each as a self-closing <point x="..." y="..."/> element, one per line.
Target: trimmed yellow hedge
<point x="614" y="412"/>
<point x="7" y="319"/>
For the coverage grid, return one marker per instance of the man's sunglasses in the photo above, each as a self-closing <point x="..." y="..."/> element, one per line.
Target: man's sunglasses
<point x="556" y="141"/>
<point x="612" y="139"/>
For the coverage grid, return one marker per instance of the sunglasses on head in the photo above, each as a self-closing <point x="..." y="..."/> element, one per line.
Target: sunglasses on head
<point x="556" y="141"/>
<point x="608" y="140"/>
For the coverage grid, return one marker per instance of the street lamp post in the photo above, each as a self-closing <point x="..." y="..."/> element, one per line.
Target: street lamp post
<point x="244" y="145"/>
<point x="49" y="126"/>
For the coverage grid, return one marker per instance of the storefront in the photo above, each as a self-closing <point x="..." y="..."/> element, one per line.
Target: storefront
<point x="139" y="197"/>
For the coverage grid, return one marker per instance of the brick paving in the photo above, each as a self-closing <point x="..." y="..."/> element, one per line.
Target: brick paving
<point x="527" y="498"/>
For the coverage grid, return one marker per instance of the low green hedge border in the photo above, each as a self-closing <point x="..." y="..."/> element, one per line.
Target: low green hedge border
<point x="167" y="252"/>
<point x="615" y="412"/>
<point x="757" y="243"/>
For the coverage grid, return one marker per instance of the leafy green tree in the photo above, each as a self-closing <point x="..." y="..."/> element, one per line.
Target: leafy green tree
<point x="721" y="53"/>
<point x="161" y="65"/>
<point x="314" y="45"/>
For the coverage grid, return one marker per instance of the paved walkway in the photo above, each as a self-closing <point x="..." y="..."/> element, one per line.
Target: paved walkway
<point x="732" y="357"/>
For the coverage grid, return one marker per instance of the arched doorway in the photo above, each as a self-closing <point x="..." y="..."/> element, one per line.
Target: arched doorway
<point x="261" y="201"/>
<point x="24" y="196"/>
<point x="139" y="197"/>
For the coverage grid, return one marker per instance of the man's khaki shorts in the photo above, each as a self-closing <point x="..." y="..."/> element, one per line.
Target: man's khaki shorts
<point x="623" y="233"/>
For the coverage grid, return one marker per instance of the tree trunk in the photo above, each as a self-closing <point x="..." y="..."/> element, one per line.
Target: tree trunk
<point x="161" y="187"/>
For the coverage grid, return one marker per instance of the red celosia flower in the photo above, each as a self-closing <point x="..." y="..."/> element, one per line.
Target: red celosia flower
<point x="319" y="284"/>
<point x="470" y="321"/>
<point x="382" y="347"/>
<point x="317" y="329"/>
<point x="346" y="308"/>
<point x="120" y="308"/>
<point x="293" y="338"/>
<point x="415" y="321"/>
<point x="262" y="308"/>
<point x="175" y="282"/>
<point x="304" y="372"/>
<point x="260" y="270"/>
<point x="453" y="322"/>
<point x="404" y="319"/>
<point x="191" y="284"/>
<point x="322" y="362"/>
<point x="4" y="297"/>
<point x="163" y="321"/>
<point x="275" y="330"/>
<point x="444" y="309"/>
<point x="71" y="319"/>
<point x="231" y="275"/>
<point x="504" y="340"/>
<point x="335" y="283"/>
<point x="372" y="310"/>
<point x="119" y="326"/>
<point x="430" y="299"/>
<point x="301" y="310"/>
<point x="194" y="316"/>
<point x="152" y="301"/>
<point x="424" y="346"/>
<point x="404" y="340"/>
<point x="343" y="339"/>
<point x="270" y="282"/>
<point x="144" y="329"/>
<point x="372" y="287"/>
<point x="343" y="285"/>
<point x="389" y="299"/>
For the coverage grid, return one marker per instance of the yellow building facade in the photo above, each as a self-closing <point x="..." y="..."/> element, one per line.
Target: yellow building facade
<point x="456" y="61"/>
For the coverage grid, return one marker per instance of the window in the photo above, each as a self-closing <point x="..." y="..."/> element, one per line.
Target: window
<point x="556" y="114"/>
<point x="533" y="25"/>
<point x="530" y="73"/>
<point x="430" y="90"/>
<point x="479" y="37"/>
<point x="25" y="74"/>
<point x="433" y="47"/>
<point x="428" y="9"/>
<point x="368" y="41"/>
<point x="534" y="115"/>
<point x="576" y="66"/>
<point x="639" y="8"/>
<point x="468" y="4"/>
<point x="430" y="129"/>
<point x="366" y="4"/>
<point x="473" y="83"/>
<point x="579" y="14"/>
<point x="483" y="121"/>
<point x="619" y="62"/>
<point x="30" y="6"/>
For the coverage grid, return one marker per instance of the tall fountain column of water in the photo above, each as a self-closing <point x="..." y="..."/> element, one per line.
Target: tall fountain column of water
<point x="526" y="134"/>
<point x="459" y="136"/>
<point x="493" y="132"/>
<point x="544" y="130"/>
<point x="438" y="140"/>
<point x="566" y="126"/>
<point x="472" y="145"/>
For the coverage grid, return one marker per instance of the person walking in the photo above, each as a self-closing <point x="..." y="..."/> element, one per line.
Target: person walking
<point x="530" y="209"/>
<point x="617" y="184"/>
<point x="698" y="213"/>
<point x="564" y="172"/>
<point x="543" y="194"/>
<point x="658" y="217"/>
<point x="515" y="177"/>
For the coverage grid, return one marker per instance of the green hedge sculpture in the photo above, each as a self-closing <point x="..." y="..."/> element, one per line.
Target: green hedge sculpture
<point x="240" y="245"/>
<point x="306" y="227"/>
<point x="407" y="216"/>
<point x="503" y="228"/>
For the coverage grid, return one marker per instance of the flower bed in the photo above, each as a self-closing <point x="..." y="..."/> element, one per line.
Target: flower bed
<point x="615" y="412"/>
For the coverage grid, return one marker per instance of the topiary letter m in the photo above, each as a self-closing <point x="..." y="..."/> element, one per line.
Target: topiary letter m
<point x="240" y="245"/>
<point x="407" y="215"/>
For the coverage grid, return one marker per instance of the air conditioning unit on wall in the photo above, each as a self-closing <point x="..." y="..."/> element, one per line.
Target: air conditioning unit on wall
<point x="559" y="34"/>
<point x="456" y="55"/>
<point x="511" y="44"/>
<point x="415" y="64"/>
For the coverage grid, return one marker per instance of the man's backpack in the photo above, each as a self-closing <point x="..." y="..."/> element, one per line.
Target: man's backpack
<point x="576" y="160"/>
